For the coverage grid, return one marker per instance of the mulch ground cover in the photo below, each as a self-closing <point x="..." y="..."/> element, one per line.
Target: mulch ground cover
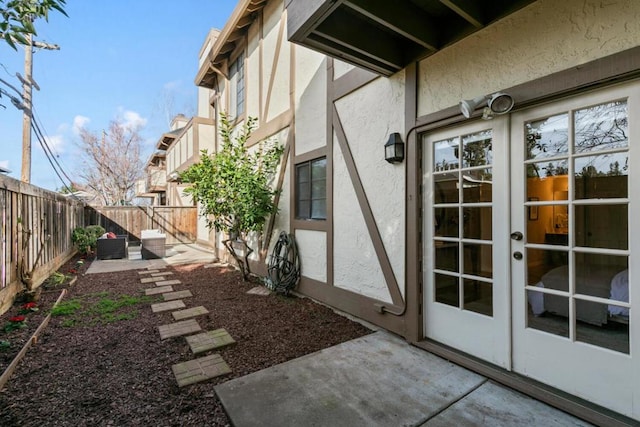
<point x="101" y="362"/>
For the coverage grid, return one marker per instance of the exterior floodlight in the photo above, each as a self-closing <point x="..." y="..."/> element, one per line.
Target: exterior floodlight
<point x="468" y="106"/>
<point x="498" y="103"/>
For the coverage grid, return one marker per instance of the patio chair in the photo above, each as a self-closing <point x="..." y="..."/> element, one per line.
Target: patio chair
<point x="111" y="248"/>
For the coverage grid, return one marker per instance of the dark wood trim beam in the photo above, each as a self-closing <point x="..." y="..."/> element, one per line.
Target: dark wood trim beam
<point x="362" y="38"/>
<point x="303" y="15"/>
<point x="351" y="81"/>
<point x="470" y="10"/>
<point x="310" y="155"/>
<point x="367" y="213"/>
<point x="317" y="42"/>
<point x="329" y="144"/>
<point x="270" y="128"/>
<point x="413" y="207"/>
<point x="355" y="304"/>
<point x="407" y="19"/>
<point x="308" y="224"/>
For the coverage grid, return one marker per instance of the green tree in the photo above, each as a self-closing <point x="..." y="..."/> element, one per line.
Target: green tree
<point x="234" y="186"/>
<point x="18" y="16"/>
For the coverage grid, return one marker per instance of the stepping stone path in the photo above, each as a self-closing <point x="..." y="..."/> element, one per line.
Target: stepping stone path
<point x="158" y="290"/>
<point x="169" y="305"/>
<point x="259" y="290"/>
<point x="168" y="282"/>
<point x="151" y="279"/>
<point x="190" y="312"/>
<point x="196" y="370"/>
<point x="177" y="295"/>
<point x="209" y="341"/>
<point x="184" y="327"/>
<point x="202" y="369"/>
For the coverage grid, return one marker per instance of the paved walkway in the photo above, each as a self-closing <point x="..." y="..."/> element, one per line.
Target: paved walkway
<point x="375" y="380"/>
<point x="185" y="325"/>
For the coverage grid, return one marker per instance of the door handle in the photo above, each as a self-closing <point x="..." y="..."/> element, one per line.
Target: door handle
<point x="516" y="235"/>
<point x="517" y="255"/>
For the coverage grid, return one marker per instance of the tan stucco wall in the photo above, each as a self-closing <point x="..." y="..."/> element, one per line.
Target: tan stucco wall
<point x="310" y="100"/>
<point x="312" y="250"/>
<point x="542" y="38"/>
<point x="367" y="124"/>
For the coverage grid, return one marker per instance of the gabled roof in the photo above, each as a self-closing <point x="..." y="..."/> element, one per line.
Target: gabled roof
<point x="233" y="32"/>
<point x="167" y="139"/>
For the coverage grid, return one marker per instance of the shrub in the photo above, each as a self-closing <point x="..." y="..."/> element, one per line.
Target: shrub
<point x="85" y="238"/>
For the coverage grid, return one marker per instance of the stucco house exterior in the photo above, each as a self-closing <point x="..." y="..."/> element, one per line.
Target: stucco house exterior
<point x="501" y="238"/>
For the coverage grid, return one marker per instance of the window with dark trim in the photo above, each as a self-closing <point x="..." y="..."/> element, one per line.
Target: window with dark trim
<point x="311" y="189"/>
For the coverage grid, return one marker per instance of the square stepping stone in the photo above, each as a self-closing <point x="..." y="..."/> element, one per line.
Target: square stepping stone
<point x="163" y="273"/>
<point x="148" y="271"/>
<point x="190" y="312"/>
<point x="169" y="305"/>
<point x="202" y="369"/>
<point x="177" y="295"/>
<point x="158" y="290"/>
<point x="259" y="290"/>
<point x="177" y="329"/>
<point x="151" y="279"/>
<point x="209" y="341"/>
<point x="168" y="282"/>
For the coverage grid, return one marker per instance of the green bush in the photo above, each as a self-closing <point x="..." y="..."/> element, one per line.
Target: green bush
<point x="85" y="238"/>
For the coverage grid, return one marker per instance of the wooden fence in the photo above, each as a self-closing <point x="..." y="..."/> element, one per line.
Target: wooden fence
<point x="179" y="223"/>
<point x="35" y="235"/>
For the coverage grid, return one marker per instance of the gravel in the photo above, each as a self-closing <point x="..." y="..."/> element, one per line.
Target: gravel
<point x="105" y="365"/>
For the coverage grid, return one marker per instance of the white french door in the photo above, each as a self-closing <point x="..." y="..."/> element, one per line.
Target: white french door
<point x="466" y="243"/>
<point x="531" y="250"/>
<point x="574" y="179"/>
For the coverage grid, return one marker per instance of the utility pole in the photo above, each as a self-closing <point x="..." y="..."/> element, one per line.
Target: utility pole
<point x="27" y="84"/>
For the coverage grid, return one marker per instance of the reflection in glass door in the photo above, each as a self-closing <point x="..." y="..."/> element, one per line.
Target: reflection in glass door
<point x="573" y="217"/>
<point x="573" y="311"/>
<point x="466" y="287"/>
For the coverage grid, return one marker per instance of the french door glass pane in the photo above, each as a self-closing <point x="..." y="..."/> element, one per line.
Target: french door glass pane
<point x="447" y="290"/>
<point x="577" y="278"/>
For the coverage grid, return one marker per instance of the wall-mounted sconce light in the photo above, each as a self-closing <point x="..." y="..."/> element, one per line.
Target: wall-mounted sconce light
<point x="394" y="149"/>
<point x="498" y="103"/>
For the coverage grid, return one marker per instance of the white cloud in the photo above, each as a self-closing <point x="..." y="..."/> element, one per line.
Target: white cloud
<point x="173" y="85"/>
<point x="133" y="120"/>
<point x="4" y="164"/>
<point x="56" y="143"/>
<point x="79" y="122"/>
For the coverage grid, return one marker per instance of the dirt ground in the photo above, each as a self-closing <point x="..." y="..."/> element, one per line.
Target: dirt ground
<point x="101" y="362"/>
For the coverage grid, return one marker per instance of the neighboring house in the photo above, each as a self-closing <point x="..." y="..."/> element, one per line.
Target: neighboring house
<point x="154" y="185"/>
<point x="504" y="245"/>
<point x="179" y="148"/>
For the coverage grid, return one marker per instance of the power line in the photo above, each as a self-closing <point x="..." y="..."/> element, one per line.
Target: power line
<point x="50" y="155"/>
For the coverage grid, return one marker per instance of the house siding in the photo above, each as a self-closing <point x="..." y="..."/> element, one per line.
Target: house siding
<point x="543" y="38"/>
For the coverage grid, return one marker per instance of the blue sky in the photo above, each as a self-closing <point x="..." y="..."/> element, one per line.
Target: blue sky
<point x="117" y="58"/>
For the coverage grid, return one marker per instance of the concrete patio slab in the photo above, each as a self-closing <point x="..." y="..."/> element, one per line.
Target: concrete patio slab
<point x="496" y="406"/>
<point x="166" y="306"/>
<point x="177" y="329"/>
<point x="168" y="282"/>
<point x="375" y="380"/>
<point x="189" y="253"/>
<point x="190" y="312"/>
<point x="158" y="290"/>
<point x="198" y="370"/>
<point x="177" y="295"/>
<point x="211" y="340"/>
